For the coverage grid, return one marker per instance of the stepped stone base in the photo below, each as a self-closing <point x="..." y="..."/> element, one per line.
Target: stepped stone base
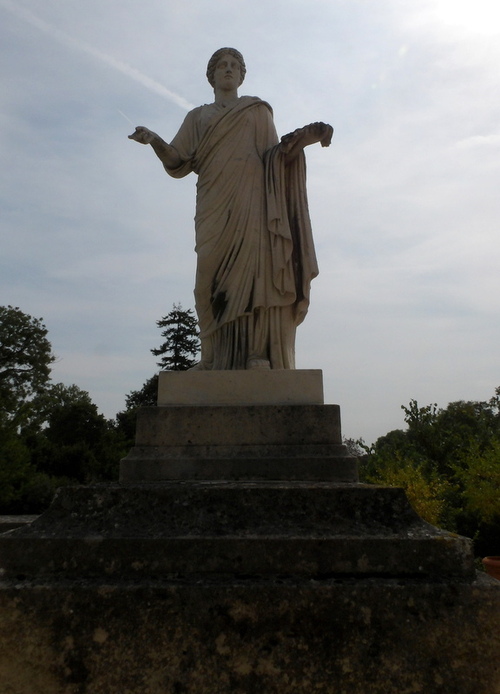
<point x="238" y="554"/>
<point x="279" y="429"/>
<point x="274" y="442"/>
<point x="233" y="529"/>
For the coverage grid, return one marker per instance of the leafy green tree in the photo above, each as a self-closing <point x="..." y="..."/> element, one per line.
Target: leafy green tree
<point x="50" y="434"/>
<point x="126" y="419"/>
<point x="478" y="471"/>
<point x="23" y="489"/>
<point x="70" y="438"/>
<point x="356" y="448"/>
<point x="14" y="464"/>
<point x="25" y="359"/>
<point x="145" y="397"/>
<point x="181" y="345"/>
<point x="426" y="491"/>
<point x="448" y="460"/>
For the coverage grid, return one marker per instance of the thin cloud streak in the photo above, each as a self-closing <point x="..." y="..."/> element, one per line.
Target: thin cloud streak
<point x="84" y="47"/>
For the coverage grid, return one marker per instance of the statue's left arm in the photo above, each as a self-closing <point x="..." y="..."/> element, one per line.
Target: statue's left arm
<point x="293" y="143"/>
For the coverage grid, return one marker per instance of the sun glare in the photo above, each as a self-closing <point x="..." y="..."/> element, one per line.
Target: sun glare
<point x="473" y="16"/>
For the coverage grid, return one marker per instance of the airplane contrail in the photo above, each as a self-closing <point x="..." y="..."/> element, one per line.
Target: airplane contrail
<point x="120" y="66"/>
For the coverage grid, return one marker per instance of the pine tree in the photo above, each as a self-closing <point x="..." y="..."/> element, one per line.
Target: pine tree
<point x="181" y="346"/>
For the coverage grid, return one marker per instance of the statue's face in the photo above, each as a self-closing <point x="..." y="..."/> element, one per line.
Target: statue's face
<point x="227" y="75"/>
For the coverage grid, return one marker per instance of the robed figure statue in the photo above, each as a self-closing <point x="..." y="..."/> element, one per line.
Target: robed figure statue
<point x="254" y="243"/>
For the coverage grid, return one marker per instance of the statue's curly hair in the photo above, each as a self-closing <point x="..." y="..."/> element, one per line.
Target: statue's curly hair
<point x="212" y="63"/>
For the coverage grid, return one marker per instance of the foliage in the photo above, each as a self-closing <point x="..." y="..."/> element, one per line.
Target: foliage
<point x="23" y="489"/>
<point x="426" y="493"/>
<point x="178" y="351"/>
<point x="354" y="447"/>
<point x="70" y="437"/>
<point x="53" y="434"/>
<point x="25" y="358"/>
<point x="145" y="397"/>
<point x="448" y="460"/>
<point x="14" y="463"/>
<point x="50" y="434"/>
<point x="478" y="472"/>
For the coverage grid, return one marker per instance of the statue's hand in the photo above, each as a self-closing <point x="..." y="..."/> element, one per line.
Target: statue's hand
<point x="143" y="135"/>
<point x="166" y="153"/>
<point x="318" y="132"/>
<point x="308" y="135"/>
<point x="326" y="134"/>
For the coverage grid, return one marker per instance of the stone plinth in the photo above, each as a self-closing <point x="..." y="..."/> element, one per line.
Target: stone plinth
<point x="273" y="442"/>
<point x="298" y="387"/>
<point x="220" y="425"/>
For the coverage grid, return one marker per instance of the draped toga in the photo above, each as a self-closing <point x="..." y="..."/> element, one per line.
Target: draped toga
<point x="254" y="242"/>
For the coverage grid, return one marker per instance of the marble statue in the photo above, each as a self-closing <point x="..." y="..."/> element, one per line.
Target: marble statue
<point x="254" y="243"/>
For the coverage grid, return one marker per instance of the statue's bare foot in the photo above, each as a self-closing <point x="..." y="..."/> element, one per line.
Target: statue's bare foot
<point x="256" y="363"/>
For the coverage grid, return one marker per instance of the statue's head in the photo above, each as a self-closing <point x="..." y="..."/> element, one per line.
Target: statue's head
<point x="212" y="63"/>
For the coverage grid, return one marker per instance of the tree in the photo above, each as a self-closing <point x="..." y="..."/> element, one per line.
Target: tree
<point x="68" y="437"/>
<point x="425" y="490"/>
<point x="25" y="359"/>
<point x="178" y="352"/>
<point x="479" y="473"/>
<point x="448" y="460"/>
<point x="50" y="434"/>
<point x="355" y="447"/>
<point x="146" y="396"/>
<point x="181" y="344"/>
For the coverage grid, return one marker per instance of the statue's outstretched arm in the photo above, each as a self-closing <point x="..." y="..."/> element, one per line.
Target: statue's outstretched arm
<point x="293" y="143"/>
<point x="167" y="154"/>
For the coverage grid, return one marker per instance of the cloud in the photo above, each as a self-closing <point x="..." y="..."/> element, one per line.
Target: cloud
<point x="480" y="141"/>
<point x="77" y="44"/>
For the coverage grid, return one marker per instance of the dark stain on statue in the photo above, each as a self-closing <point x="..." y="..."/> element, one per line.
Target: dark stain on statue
<point x="219" y="303"/>
<point x="249" y="307"/>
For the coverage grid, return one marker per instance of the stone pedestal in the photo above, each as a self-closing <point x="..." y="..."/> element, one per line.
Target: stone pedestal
<point x="227" y="425"/>
<point x="273" y="442"/>
<point x="239" y="554"/>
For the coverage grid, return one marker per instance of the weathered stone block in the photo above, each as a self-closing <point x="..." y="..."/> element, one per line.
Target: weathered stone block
<point x="368" y="636"/>
<point x="239" y="426"/>
<point x="215" y="529"/>
<point x="274" y="387"/>
<point x="295" y="442"/>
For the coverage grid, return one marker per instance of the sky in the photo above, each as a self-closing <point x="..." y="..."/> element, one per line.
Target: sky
<point x="99" y="242"/>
